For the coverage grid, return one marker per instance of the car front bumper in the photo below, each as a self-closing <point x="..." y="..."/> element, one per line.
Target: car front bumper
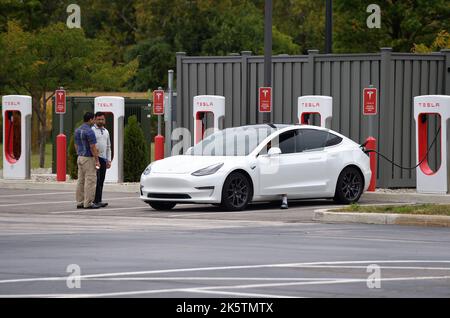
<point x="182" y="188"/>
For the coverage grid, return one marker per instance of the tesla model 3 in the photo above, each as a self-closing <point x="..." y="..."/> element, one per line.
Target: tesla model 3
<point x="236" y="166"/>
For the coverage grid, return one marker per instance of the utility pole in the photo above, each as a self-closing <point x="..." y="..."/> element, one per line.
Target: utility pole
<point x="329" y="27"/>
<point x="267" y="50"/>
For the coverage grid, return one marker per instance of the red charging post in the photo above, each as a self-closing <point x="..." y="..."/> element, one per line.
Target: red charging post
<point x="159" y="147"/>
<point x="370" y="108"/>
<point x="158" y="109"/>
<point x="61" y="140"/>
<point x="61" y="157"/>
<point x="372" y="145"/>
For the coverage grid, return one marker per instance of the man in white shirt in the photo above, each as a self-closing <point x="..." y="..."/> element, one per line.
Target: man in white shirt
<point x="104" y="150"/>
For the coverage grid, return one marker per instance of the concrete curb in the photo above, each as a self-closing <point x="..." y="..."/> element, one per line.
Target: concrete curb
<point x="325" y="216"/>
<point x="407" y="197"/>
<point x="68" y="186"/>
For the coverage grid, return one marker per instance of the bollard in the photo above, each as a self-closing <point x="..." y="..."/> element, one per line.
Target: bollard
<point x="61" y="157"/>
<point x="372" y="145"/>
<point x="159" y="147"/>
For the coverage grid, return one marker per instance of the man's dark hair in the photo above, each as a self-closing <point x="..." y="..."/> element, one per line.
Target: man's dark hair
<point x="88" y="116"/>
<point x="99" y="114"/>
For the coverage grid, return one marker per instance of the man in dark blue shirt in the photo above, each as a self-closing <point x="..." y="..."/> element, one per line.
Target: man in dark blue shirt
<point x="85" y="145"/>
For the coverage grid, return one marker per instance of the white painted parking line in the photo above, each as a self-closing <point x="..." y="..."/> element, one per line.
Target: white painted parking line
<point x="218" y="292"/>
<point x="208" y="278"/>
<point x="32" y="194"/>
<point x="213" y="288"/>
<point x="59" y="202"/>
<point x="200" y="269"/>
<point x="108" y="209"/>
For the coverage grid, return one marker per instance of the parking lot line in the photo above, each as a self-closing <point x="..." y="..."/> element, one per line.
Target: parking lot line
<point x="200" y="269"/>
<point x="32" y="194"/>
<point x="59" y="202"/>
<point x="213" y="290"/>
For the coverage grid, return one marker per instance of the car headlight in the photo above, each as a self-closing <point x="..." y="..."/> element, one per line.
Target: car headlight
<point x="147" y="170"/>
<point x="208" y="170"/>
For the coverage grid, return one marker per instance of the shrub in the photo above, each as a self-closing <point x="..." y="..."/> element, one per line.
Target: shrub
<point x="135" y="157"/>
<point x="72" y="166"/>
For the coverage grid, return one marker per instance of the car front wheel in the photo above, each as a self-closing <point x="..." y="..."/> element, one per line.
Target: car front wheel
<point x="349" y="186"/>
<point x="236" y="192"/>
<point x="162" y="206"/>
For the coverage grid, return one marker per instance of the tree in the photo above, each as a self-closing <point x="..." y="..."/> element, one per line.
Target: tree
<point x="155" y="58"/>
<point x="403" y="23"/>
<point x="135" y="151"/>
<point x="442" y="41"/>
<point x="38" y="62"/>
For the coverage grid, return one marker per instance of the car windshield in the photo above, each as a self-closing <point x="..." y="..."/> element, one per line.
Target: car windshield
<point x="239" y="141"/>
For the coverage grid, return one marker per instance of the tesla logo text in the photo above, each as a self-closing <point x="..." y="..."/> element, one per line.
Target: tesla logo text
<point x="12" y="103"/>
<point x="265" y="92"/>
<point x="205" y="104"/>
<point x="104" y="104"/>
<point x="370" y="93"/>
<point x="311" y="104"/>
<point x="429" y="105"/>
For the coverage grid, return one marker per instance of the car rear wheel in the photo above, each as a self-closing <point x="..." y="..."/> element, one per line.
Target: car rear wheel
<point x="236" y="192"/>
<point x="162" y="206"/>
<point x="349" y="186"/>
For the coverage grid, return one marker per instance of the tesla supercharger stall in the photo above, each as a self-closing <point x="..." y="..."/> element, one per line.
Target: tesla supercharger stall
<point x="429" y="181"/>
<point x="16" y="111"/>
<point x="315" y="104"/>
<point x="114" y="109"/>
<point x="209" y="113"/>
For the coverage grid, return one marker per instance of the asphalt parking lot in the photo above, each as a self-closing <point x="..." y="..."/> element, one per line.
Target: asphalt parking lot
<point x="130" y="250"/>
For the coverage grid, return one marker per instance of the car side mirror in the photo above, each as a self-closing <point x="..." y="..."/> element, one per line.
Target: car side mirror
<point x="189" y="151"/>
<point x="274" y="151"/>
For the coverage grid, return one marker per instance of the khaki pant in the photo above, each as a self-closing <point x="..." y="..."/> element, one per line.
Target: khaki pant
<point x="87" y="181"/>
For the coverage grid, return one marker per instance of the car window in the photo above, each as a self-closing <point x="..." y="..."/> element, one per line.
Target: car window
<point x="333" y="140"/>
<point x="284" y="141"/>
<point x="287" y="142"/>
<point x="311" y="139"/>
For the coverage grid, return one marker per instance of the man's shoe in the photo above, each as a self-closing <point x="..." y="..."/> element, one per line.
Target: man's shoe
<point x="103" y="204"/>
<point x="284" y="205"/>
<point x="93" y="206"/>
<point x="80" y="206"/>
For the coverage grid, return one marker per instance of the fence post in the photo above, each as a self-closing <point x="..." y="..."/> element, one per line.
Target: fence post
<point x="446" y="53"/>
<point x="309" y="76"/>
<point x="386" y="109"/>
<point x="244" y="87"/>
<point x="177" y="118"/>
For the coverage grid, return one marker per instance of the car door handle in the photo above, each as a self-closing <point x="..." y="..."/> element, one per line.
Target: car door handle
<point x="315" y="158"/>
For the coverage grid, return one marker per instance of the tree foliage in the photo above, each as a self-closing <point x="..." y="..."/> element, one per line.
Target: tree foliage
<point x="35" y="63"/>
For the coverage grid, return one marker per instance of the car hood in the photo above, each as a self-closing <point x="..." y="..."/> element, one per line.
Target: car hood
<point x="187" y="164"/>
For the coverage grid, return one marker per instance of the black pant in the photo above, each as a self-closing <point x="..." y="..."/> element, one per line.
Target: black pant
<point x="100" y="180"/>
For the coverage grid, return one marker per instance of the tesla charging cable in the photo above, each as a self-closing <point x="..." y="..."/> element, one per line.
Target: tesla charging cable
<point x="401" y="167"/>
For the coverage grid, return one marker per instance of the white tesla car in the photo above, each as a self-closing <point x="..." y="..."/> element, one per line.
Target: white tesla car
<point x="236" y="166"/>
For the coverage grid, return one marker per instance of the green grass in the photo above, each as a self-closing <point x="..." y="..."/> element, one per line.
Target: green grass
<point x="423" y="209"/>
<point x="34" y="157"/>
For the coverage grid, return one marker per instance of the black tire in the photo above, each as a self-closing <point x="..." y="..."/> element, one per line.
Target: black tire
<point x="236" y="192"/>
<point x="162" y="206"/>
<point x="349" y="187"/>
